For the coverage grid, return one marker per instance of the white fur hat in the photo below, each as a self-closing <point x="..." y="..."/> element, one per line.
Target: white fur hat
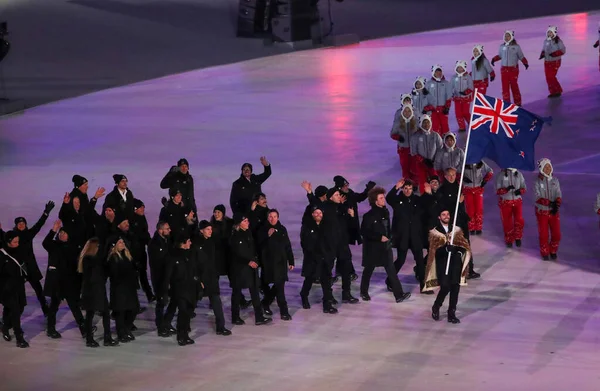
<point x="553" y="30"/>
<point x="423" y="118"/>
<point x="462" y="64"/>
<point x="412" y="111"/>
<point x="479" y="48"/>
<point x="435" y="68"/>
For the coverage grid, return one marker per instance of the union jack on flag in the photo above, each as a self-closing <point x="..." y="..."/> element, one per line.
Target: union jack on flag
<point x="503" y="132"/>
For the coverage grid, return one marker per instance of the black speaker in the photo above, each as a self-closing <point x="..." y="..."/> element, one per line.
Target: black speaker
<point x="251" y="18"/>
<point x="291" y="28"/>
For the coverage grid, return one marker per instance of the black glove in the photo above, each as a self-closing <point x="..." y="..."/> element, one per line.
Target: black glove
<point x="467" y="180"/>
<point x="518" y="192"/>
<point x="424" y="111"/>
<point x="492" y="77"/>
<point x="446" y="110"/>
<point x="49" y="207"/>
<point x="462" y="93"/>
<point x="511" y="187"/>
<point x="479" y="165"/>
<point x="483" y="183"/>
<point x="554" y="206"/>
<point x="428" y="163"/>
<point x="493" y="61"/>
<point x="526" y="66"/>
<point x="596" y="44"/>
<point x="370" y="185"/>
<point x="400" y="138"/>
<point x="541" y="56"/>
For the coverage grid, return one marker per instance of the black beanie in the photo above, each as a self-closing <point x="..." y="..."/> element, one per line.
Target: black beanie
<point x="238" y="218"/>
<point x="137" y="203"/>
<point x="433" y="178"/>
<point x="119" y="218"/>
<point x="204" y="224"/>
<point x="247" y="165"/>
<point x="9" y="236"/>
<point x="320" y="191"/>
<point x="118" y="178"/>
<point x="220" y="208"/>
<point x="182" y="161"/>
<point x="340" y="181"/>
<point x="78" y="180"/>
<point x="331" y="192"/>
<point x="173" y="192"/>
<point x="20" y="220"/>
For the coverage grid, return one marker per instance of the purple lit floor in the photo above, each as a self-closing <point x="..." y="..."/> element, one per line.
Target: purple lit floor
<point x="526" y="325"/>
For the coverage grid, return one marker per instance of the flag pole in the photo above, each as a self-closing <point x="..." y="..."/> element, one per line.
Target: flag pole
<point x="460" y="183"/>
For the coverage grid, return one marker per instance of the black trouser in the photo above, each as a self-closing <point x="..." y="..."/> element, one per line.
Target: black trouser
<point x="159" y="314"/>
<point x="143" y="273"/>
<point x="392" y="278"/>
<point x="417" y="252"/>
<point x="453" y="289"/>
<point x="123" y="321"/>
<point x="324" y="272"/>
<point x="89" y="319"/>
<point x="167" y="317"/>
<point x="344" y="267"/>
<point x="236" y="298"/>
<point x="72" y="302"/>
<point x="11" y="318"/>
<point x="339" y="268"/>
<point x="184" y="316"/>
<point x="277" y="292"/>
<point x="39" y="293"/>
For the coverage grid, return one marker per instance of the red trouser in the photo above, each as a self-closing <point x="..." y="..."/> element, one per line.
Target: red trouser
<point x="481" y="85"/>
<point x="548" y="223"/>
<point x="422" y="172"/>
<point x="439" y="121"/>
<point x="462" y="108"/>
<point x="512" y="219"/>
<point x="474" y="205"/>
<point x="406" y="163"/>
<point x="551" y="69"/>
<point x="510" y="76"/>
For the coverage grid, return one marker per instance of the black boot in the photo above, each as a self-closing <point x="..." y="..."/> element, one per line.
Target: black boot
<point x="545" y="258"/>
<point x="263" y="320"/>
<point x="238" y="321"/>
<point x="91" y="343"/>
<point x="473" y="275"/>
<point x="21" y="343"/>
<point x="435" y="312"/>
<point x="402" y="297"/>
<point x="553" y="256"/>
<point x="6" y="335"/>
<point x="518" y="242"/>
<point x="328" y="308"/>
<point x="348" y="298"/>
<point x="266" y="308"/>
<point x="52" y="333"/>
<point x="452" y="317"/>
<point x="223" y="332"/>
<point x="305" y="302"/>
<point x="108" y="341"/>
<point x="365" y="297"/>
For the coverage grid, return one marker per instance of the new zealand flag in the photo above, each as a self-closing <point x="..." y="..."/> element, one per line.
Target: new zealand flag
<point x="503" y="132"/>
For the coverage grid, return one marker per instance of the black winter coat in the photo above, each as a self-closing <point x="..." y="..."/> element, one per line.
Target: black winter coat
<point x="138" y="226"/>
<point x="407" y="223"/>
<point x="336" y="221"/>
<point x="122" y="207"/>
<point x="62" y="278"/>
<point x="183" y="275"/>
<point x="93" y="290"/>
<point x="123" y="284"/>
<point x="26" y="244"/>
<point x="313" y="201"/>
<point x="441" y="260"/>
<point x="243" y="251"/>
<point x="352" y="201"/>
<point x="376" y="224"/>
<point x="176" y="216"/>
<point x="242" y="191"/>
<point x="175" y="179"/>
<point x="79" y="225"/>
<point x="12" y="278"/>
<point x="316" y="247"/>
<point x="209" y="273"/>
<point x="276" y="253"/>
<point x="158" y="251"/>
<point x="220" y="235"/>
<point x="84" y="200"/>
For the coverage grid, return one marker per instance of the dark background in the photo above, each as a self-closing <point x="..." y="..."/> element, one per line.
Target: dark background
<point x="65" y="48"/>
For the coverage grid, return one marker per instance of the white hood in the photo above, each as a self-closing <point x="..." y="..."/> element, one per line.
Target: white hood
<point x="435" y="68"/>
<point x="512" y="36"/>
<point x="542" y="163"/>
<point x="412" y="112"/>
<point x="422" y="80"/>
<point x="404" y="96"/>
<point x="451" y="135"/>
<point x="480" y="49"/>
<point x="423" y="118"/>
<point x="463" y="65"/>
<point x="553" y="30"/>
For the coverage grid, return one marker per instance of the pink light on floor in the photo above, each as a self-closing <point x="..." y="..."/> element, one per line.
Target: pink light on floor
<point x="577" y="25"/>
